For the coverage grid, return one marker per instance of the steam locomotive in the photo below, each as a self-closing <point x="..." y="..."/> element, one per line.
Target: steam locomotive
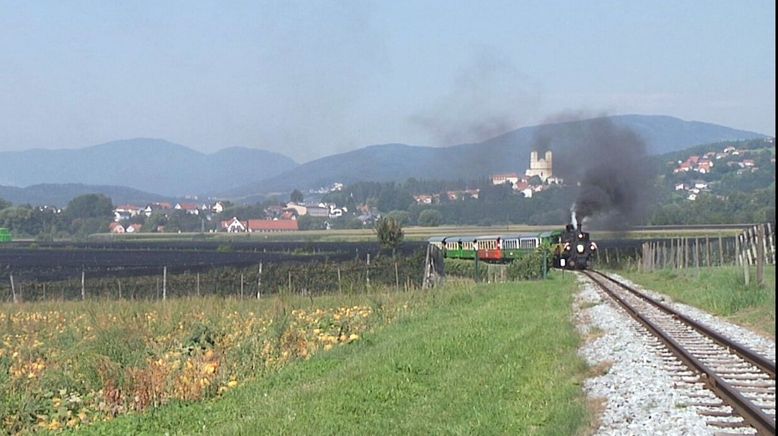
<point x="571" y="248"/>
<point x="575" y="250"/>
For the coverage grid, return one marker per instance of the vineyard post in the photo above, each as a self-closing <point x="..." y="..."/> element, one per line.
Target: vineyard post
<point x="198" y="284"/>
<point x="396" y="278"/>
<point x="241" y="286"/>
<point x="13" y="290"/>
<point x="83" y="287"/>
<point x="707" y="251"/>
<point x="760" y="255"/>
<point x="340" y="285"/>
<point x="697" y="253"/>
<point x="770" y="238"/>
<point x="754" y="243"/>
<point x="721" y="251"/>
<point x="664" y="254"/>
<point x="164" y="283"/>
<point x="259" y="281"/>
<point x="44" y="290"/>
<point x="745" y="268"/>
<point x="738" y="257"/>
<point x="120" y="288"/>
<point x="367" y="271"/>
<point x="476" y="266"/>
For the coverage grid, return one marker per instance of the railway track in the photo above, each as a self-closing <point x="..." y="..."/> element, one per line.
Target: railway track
<point x="742" y="380"/>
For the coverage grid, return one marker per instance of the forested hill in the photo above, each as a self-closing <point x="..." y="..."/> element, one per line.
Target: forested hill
<point x="505" y="153"/>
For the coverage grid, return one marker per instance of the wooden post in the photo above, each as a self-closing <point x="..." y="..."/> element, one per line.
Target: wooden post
<point x="120" y="289"/>
<point x="752" y="244"/>
<point x="707" y="251"/>
<point x="674" y="245"/>
<point x="697" y="252"/>
<point x="83" y="287"/>
<point x="259" y="281"/>
<point x="607" y="261"/>
<point x="396" y="278"/>
<point x="746" y="277"/>
<point x="738" y="257"/>
<point x="759" y="255"/>
<point x="197" y="286"/>
<point x="13" y="290"/>
<point x="721" y="251"/>
<point x="770" y="239"/>
<point x="665" y="252"/>
<point x="241" y="286"/>
<point x="340" y="284"/>
<point x="367" y="271"/>
<point x="164" y="283"/>
<point x="44" y="290"/>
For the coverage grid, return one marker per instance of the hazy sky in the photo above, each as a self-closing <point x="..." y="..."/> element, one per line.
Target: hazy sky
<point x="309" y="78"/>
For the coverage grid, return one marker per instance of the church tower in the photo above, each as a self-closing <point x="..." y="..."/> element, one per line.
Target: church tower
<point x="542" y="168"/>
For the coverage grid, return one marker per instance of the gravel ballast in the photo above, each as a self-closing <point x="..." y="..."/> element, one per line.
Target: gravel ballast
<point x="643" y="388"/>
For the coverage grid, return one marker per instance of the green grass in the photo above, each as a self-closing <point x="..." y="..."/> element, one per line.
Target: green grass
<point x="719" y="290"/>
<point x="491" y="359"/>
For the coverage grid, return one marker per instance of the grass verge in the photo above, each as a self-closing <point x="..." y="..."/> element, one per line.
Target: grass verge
<point x="493" y="359"/>
<point x="720" y="291"/>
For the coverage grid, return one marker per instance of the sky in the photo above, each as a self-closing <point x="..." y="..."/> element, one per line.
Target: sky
<point x="313" y="78"/>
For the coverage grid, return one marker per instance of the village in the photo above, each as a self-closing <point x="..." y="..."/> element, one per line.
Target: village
<point x="284" y="217"/>
<point x="740" y="161"/>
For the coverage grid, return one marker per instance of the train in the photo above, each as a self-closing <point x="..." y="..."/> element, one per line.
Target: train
<point x="571" y="248"/>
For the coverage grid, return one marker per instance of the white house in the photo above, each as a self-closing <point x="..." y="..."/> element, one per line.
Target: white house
<point x="234" y="225"/>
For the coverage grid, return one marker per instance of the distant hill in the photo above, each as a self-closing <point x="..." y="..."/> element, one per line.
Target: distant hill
<point x="505" y="153"/>
<point x="151" y="165"/>
<point x="60" y="194"/>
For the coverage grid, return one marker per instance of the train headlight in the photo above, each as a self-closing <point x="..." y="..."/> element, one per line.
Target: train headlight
<point x="593" y="246"/>
<point x="579" y="248"/>
<point x="562" y="262"/>
<point x="580" y="236"/>
<point x="567" y="246"/>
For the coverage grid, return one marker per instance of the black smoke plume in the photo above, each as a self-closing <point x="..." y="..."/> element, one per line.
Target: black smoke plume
<point x="608" y="164"/>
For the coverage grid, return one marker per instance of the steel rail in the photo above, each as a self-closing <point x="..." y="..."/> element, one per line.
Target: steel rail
<point x="752" y="414"/>
<point x="745" y="353"/>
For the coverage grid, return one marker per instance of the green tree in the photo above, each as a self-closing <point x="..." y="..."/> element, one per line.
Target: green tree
<point x="296" y="196"/>
<point x="390" y="233"/>
<point x="430" y="218"/>
<point x="89" y="206"/>
<point x="4" y="204"/>
<point x="401" y="216"/>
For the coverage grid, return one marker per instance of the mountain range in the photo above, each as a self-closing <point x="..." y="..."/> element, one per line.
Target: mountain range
<point x="241" y="174"/>
<point x="59" y="194"/>
<point x="151" y="165"/>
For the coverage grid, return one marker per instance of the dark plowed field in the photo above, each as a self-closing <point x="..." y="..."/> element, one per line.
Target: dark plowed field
<point x="54" y="261"/>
